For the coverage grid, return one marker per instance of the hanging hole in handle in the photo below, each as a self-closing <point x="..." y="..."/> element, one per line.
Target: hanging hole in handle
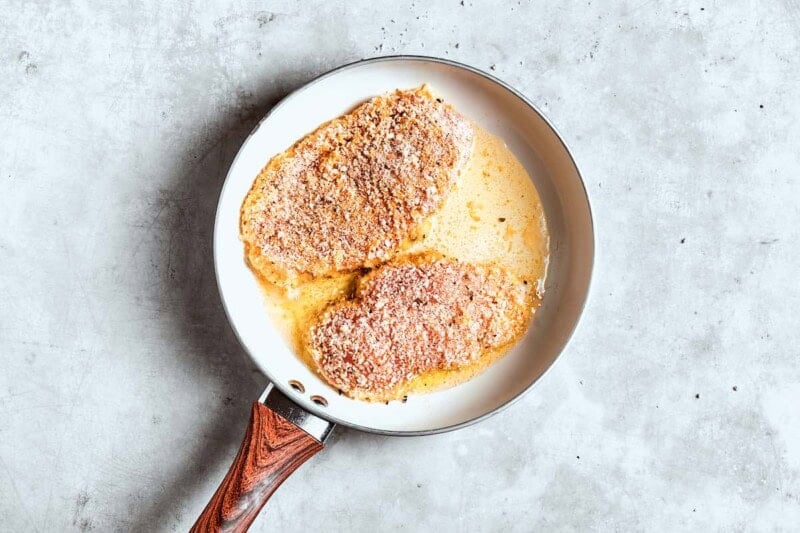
<point x="319" y="400"/>
<point x="296" y="385"/>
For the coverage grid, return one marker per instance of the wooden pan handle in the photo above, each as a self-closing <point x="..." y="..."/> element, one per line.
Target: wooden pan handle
<point x="272" y="449"/>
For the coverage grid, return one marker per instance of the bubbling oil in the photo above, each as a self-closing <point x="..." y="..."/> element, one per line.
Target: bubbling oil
<point x="494" y="215"/>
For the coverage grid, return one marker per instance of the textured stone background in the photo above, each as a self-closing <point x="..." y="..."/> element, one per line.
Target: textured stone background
<point x="123" y="394"/>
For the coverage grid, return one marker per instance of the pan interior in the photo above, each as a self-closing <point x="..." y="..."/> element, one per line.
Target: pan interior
<point x="535" y="144"/>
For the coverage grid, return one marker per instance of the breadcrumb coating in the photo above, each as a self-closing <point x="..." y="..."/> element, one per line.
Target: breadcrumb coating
<point x="414" y="315"/>
<point x="351" y="194"/>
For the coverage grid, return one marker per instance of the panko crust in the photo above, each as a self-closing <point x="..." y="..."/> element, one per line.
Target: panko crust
<point x="354" y="192"/>
<point x="414" y="315"/>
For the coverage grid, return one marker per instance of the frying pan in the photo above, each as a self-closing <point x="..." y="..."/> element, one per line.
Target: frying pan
<point x="293" y="417"/>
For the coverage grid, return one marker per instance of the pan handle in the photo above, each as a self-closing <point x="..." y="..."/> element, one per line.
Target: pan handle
<point x="280" y="437"/>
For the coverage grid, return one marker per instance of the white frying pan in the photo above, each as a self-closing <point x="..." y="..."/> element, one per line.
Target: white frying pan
<point x="298" y="410"/>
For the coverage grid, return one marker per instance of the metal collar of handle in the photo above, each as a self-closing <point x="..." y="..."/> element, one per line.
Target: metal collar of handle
<point x="315" y="426"/>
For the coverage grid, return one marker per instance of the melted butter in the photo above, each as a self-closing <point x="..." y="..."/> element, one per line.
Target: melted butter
<point x="494" y="215"/>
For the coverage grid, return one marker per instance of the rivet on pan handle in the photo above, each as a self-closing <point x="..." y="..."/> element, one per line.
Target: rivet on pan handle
<point x="280" y="437"/>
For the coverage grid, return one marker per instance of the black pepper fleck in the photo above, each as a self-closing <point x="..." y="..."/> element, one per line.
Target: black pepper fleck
<point x="697" y="396"/>
<point x="735" y="388"/>
<point x="683" y="240"/>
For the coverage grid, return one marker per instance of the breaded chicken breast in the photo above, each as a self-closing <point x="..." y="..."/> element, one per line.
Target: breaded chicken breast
<point x="414" y="315"/>
<point x="353" y="192"/>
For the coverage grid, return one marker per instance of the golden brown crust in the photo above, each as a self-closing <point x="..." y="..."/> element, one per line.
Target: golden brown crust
<point x="414" y="315"/>
<point x="351" y="194"/>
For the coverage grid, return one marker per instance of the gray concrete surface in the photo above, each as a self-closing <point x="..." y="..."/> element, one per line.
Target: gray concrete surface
<point x="123" y="394"/>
